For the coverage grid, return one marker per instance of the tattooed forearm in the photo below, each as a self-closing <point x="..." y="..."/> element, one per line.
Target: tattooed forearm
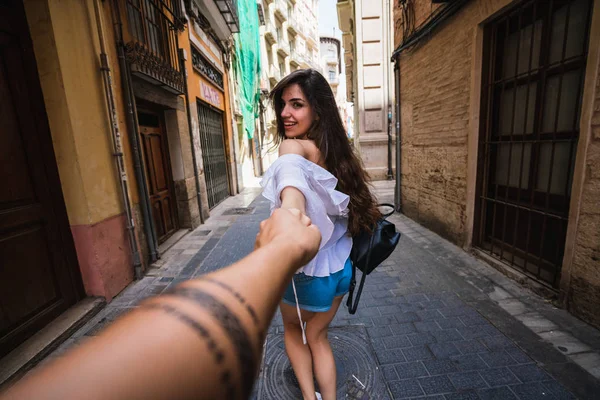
<point x="232" y="325"/>
<point x="214" y="348"/>
<point x="238" y="296"/>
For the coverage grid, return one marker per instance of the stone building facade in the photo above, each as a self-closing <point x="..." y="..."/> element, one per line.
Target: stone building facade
<point x="365" y="26"/>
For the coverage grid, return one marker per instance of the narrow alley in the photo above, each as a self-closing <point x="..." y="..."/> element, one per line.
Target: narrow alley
<point x="433" y="320"/>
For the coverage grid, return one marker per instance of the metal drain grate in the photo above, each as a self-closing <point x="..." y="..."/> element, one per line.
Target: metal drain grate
<point x="238" y="211"/>
<point x="353" y="356"/>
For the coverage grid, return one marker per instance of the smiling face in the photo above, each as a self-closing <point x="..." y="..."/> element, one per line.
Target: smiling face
<point x="296" y="112"/>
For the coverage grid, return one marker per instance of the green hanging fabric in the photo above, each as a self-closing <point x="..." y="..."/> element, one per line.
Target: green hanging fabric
<point x="248" y="63"/>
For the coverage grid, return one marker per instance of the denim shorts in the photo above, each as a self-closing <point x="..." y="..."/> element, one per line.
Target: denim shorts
<point x="316" y="293"/>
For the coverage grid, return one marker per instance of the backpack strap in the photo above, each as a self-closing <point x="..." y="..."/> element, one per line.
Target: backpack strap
<point x="353" y="306"/>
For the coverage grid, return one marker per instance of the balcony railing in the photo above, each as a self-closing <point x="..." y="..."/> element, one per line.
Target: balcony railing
<point x="293" y="25"/>
<point x="270" y="32"/>
<point x="274" y="74"/>
<point x="283" y="48"/>
<point x="295" y="57"/>
<point x="152" y="45"/>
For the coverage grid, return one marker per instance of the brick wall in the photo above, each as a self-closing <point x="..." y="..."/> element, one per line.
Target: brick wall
<point x="436" y="78"/>
<point x="584" y="292"/>
<point x="435" y="101"/>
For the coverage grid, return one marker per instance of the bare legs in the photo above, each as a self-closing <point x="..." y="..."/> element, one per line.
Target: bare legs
<point x="316" y="357"/>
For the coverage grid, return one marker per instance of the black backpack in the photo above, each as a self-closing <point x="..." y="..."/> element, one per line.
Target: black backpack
<point x="369" y="249"/>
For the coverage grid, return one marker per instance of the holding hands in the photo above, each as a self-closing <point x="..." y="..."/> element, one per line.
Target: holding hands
<point x="291" y="229"/>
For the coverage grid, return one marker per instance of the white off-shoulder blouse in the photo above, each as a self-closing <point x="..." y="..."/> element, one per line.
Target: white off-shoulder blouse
<point x="326" y="207"/>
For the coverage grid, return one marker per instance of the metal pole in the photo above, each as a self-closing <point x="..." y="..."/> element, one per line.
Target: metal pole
<point x="398" y="189"/>
<point x="132" y="127"/>
<point x="117" y="143"/>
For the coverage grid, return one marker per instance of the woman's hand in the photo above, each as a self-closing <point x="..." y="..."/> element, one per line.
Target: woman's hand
<point x="290" y="228"/>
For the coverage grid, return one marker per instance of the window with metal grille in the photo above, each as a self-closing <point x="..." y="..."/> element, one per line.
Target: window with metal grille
<point x="152" y="43"/>
<point x="210" y="124"/>
<point x="534" y="67"/>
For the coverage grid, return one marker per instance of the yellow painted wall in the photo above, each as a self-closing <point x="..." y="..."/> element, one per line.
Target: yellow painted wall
<point x="66" y="49"/>
<point x="195" y="80"/>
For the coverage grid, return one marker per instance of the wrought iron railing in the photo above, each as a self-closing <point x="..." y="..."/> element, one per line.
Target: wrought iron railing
<point x="152" y="44"/>
<point x="203" y="66"/>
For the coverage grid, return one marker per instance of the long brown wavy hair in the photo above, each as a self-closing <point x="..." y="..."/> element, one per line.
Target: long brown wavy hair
<point x="329" y="134"/>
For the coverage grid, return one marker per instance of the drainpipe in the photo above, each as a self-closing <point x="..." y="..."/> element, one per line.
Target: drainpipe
<point x="398" y="189"/>
<point x="261" y="134"/>
<point x="390" y="172"/>
<point x="117" y="143"/>
<point x="132" y="127"/>
<point x="189" y="121"/>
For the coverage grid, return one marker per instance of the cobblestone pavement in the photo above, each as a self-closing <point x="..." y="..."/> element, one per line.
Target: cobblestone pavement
<point x="442" y="324"/>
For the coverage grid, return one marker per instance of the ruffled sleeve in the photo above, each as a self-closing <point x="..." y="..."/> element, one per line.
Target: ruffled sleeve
<point x="324" y="204"/>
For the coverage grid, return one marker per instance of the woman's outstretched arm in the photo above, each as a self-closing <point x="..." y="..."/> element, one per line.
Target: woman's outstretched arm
<point x="202" y="340"/>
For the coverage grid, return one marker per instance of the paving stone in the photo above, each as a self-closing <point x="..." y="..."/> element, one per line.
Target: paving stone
<point x="395" y="342"/>
<point x="467" y="380"/>
<point x="449" y="323"/>
<point x="470" y="362"/>
<point x="518" y="355"/>
<point x="379" y="331"/>
<point x="498" y="359"/>
<point x="443" y="350"/>
<point x="531" y="391"/>
<point x="417" y="353"/>
<point x="381" y="294"/>
<point x="470" y="346"/>
<point x="419" y="339"/>
<point x="409" y="316"/>
<point x="464" y="395"/>
<point x="389" y="372"/>
<point x="439" y="367"/>
<point x="410" y="370"/>
<point x="497" y="342"/>
<point x="389" y="310"/>
<point x="385" y="320"/>
<point x="499" y="393"/>
<point x="393" y="356"/>
<point x="428" y="315"/>
<point x="368" y="312"/>
<point x="416" y="298"/>
<point x="529" y="373"/>
<point x="436" y="384"/>
<point x="402" y="329"/>
<point x="473" y="320"/>
<point x="448" y="335"/>
<point x="427" y="326"/>
<point x="430" y="305"/>
<point x="405" y="389"/>
<point x="457" y="311"/>
<point x="498" y="377"/>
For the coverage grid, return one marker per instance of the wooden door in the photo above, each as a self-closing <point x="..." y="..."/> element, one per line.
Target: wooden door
<point x="39" y="276"/>
<point x="158" y="173"/>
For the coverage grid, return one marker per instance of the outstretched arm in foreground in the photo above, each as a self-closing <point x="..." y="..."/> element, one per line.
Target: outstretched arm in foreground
<point x="202" y="340"/>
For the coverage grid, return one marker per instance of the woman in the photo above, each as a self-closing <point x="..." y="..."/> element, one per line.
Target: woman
<point x="319" y="174"/>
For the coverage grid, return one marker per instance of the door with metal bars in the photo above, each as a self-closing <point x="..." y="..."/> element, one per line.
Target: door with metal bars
<point x="534" y="68"/>
<point x="213" y="154"/>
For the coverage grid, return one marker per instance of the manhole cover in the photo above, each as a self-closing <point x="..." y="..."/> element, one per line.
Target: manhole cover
<point x="238" y="211"/>
<point x="354" y="359"/>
